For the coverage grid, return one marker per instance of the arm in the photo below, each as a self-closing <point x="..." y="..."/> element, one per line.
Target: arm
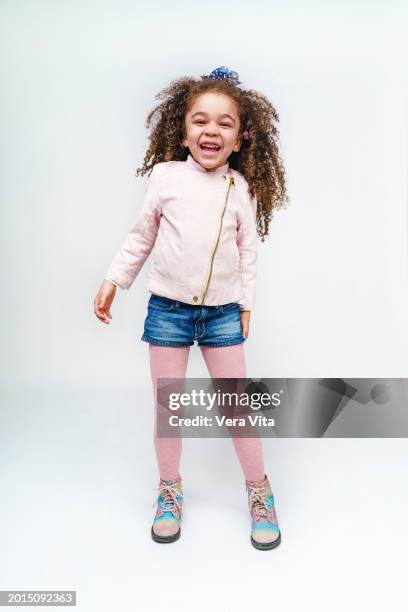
<point x="140" y="240"/>
<point x="247" y="246"/>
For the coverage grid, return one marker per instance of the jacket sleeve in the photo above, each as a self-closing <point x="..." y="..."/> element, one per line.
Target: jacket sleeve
<point x="140" y="240"/>
<point x="247" y="245"/>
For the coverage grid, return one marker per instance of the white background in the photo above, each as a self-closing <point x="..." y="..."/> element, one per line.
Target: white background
<point x="78" y="468"/>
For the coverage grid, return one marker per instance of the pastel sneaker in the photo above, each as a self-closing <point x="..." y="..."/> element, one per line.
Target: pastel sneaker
<point x="166" y="524"/>
<point x="265" y="532"/>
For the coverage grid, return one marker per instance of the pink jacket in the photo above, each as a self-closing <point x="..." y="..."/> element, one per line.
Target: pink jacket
<point x="202" y="226"/>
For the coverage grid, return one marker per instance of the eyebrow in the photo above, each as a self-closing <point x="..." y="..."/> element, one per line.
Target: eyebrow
<point x="203" y="113"/>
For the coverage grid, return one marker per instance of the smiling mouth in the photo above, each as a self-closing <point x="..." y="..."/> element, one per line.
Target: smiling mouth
<point x="205" y="147"/>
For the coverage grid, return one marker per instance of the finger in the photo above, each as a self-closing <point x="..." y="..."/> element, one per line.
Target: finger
<point x="101" y="315"/>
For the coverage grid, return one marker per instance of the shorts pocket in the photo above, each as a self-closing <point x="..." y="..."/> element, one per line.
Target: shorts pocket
<point x="230" y="306"/>
<point x="159" y="302"/>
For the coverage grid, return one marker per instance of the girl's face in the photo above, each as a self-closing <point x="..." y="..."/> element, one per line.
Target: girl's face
<point x="212" y="120"/>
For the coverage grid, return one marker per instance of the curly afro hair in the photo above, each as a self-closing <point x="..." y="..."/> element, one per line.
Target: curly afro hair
<point x="257" y="160"/>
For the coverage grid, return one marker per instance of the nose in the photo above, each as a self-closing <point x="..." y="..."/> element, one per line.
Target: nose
<point x="211" y="130"/>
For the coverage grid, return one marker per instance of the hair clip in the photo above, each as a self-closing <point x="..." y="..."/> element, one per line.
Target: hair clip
<point x="245" y="135"/>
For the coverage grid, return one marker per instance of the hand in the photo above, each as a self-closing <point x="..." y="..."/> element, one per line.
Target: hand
<point x="245" y="316"/>
<point x="103" y="301"/>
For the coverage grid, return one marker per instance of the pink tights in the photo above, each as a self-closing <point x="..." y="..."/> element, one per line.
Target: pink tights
<point x="221" y="362"/>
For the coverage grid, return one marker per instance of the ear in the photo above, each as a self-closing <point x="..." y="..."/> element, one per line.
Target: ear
<point x="238" y="144"/>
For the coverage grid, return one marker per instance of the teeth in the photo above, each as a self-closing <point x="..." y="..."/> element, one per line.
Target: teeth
<point x="210" y="146"/>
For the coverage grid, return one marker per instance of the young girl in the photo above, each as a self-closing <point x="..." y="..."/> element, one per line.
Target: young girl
<point x="216" y="177"/>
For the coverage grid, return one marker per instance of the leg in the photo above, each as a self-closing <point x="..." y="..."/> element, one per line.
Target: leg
<point x="167" y="362"/>
<point x="229" y="362"/>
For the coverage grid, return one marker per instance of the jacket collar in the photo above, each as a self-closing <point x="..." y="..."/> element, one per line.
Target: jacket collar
<point x="192" y="163"/>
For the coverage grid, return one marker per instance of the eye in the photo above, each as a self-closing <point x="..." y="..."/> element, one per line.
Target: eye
<point x="200" y="121"/>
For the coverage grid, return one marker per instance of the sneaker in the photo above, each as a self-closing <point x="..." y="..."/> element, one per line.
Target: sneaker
<point x="166" y="524"/>
<point x="265" y="532"/>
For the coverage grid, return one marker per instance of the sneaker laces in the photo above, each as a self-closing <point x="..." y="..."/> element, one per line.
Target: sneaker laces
<point x="259" y="505"/>
<point x="169" y="494"/>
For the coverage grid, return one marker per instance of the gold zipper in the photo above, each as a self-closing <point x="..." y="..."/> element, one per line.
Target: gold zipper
<point x="231" y="182"/>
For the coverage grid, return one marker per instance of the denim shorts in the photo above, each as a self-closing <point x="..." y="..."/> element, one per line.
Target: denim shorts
<point x="174" y="323"/>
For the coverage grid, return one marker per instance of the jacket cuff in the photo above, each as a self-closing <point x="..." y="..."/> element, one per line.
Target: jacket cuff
<point x="113" y="282"/>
